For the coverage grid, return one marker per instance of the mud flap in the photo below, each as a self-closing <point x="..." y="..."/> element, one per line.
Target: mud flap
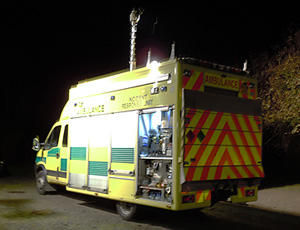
<point x="245" y="194"/>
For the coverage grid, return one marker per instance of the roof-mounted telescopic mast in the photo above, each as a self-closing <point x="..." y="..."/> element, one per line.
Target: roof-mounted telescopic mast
<point x="133" y="19"/>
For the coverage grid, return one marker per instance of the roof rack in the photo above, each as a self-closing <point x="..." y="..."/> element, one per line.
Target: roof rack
<point x="212" y="65"/>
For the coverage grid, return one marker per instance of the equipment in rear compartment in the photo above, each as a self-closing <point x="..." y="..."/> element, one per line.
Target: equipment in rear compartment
<point x="155" y="154"/>
<point x="155" y="134"/>
<point x="157" y="181"/>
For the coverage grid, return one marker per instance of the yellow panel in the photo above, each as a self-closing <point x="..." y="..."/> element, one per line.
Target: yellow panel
<point x="121" y="188"/>
<point x="78" y="167"/>
<point x="64" y="152"/>
<point x="57" y="180"/>
<point x="98" y="154"/>
<point x="52" y="163"/>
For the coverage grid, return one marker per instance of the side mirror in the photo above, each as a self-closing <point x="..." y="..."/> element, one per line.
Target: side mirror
<point x="36" y="145"/>
<point x="47" y="146"/>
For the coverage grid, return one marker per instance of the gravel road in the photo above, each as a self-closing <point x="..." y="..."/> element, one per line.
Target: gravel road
<point x="21" y="207"/>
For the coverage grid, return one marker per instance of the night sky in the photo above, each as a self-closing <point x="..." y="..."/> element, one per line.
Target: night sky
<point x="47" y="49"/>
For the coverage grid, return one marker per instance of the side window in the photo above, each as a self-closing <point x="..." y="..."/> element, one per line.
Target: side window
<point x="53" y="138"/>
<point x="65" y="138"/>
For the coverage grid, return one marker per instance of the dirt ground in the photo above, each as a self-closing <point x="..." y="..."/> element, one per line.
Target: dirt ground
<point x="21" y="207"/>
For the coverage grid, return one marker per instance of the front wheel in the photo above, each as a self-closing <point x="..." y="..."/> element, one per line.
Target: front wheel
<point x="41" y="182"/>
<point x="126" y="210"/>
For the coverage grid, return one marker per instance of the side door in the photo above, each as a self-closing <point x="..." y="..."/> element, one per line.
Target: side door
<point x="63" y="156"/>
<point x="123" y="152"/>
<point x="98" y="152"/>
<point x="52" y="153"/>
<point x="56" y="153"/>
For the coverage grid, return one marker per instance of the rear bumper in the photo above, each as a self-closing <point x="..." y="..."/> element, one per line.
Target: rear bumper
<point x="230" y="184"/>
<point x="199" y="194"/>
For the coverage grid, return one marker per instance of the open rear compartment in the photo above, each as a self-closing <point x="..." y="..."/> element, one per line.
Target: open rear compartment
<point x="155" y="154"/>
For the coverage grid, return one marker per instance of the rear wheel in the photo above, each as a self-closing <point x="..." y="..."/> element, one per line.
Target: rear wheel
<point x="126" y="210"/>
<point x="41" y="182"/>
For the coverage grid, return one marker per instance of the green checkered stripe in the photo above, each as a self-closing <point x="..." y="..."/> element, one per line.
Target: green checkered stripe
<point x="122" y="155"/>
<point x="53" y="152"/>
<point x="78" y="153"/>
<point x="40" y="159"/>
<point x="98" y="168"/>
<point x="63" y="164"/>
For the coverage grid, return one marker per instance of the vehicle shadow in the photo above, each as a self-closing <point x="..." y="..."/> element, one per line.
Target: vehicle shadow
<point x="221" y="216"/>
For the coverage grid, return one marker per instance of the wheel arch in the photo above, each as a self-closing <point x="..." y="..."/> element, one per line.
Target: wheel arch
<point x="38" y="168"/>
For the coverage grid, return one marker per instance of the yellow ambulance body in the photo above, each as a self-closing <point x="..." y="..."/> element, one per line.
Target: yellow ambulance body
<point x="178" y="135"/>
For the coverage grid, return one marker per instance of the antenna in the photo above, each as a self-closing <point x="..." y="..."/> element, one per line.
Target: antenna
<point x="149" y="58"/>
<point x="245" y="65"/>
<point x="172" y="55"/>
<point x="133" y="19"/>
<point x="154" y="24"/>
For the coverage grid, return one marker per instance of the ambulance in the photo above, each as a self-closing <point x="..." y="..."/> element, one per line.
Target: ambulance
<point x="180" y="134"/>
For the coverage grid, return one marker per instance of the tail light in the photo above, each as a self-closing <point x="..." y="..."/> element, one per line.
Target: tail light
<point x="250" y="192"/>
<point x="188" y="199"/>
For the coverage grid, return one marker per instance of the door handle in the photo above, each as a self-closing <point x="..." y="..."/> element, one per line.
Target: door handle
<point x="57" y="153"/>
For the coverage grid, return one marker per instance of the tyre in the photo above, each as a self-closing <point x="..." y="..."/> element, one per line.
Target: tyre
<point x="126" y="210"/>
<point x="41" y="182"/>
